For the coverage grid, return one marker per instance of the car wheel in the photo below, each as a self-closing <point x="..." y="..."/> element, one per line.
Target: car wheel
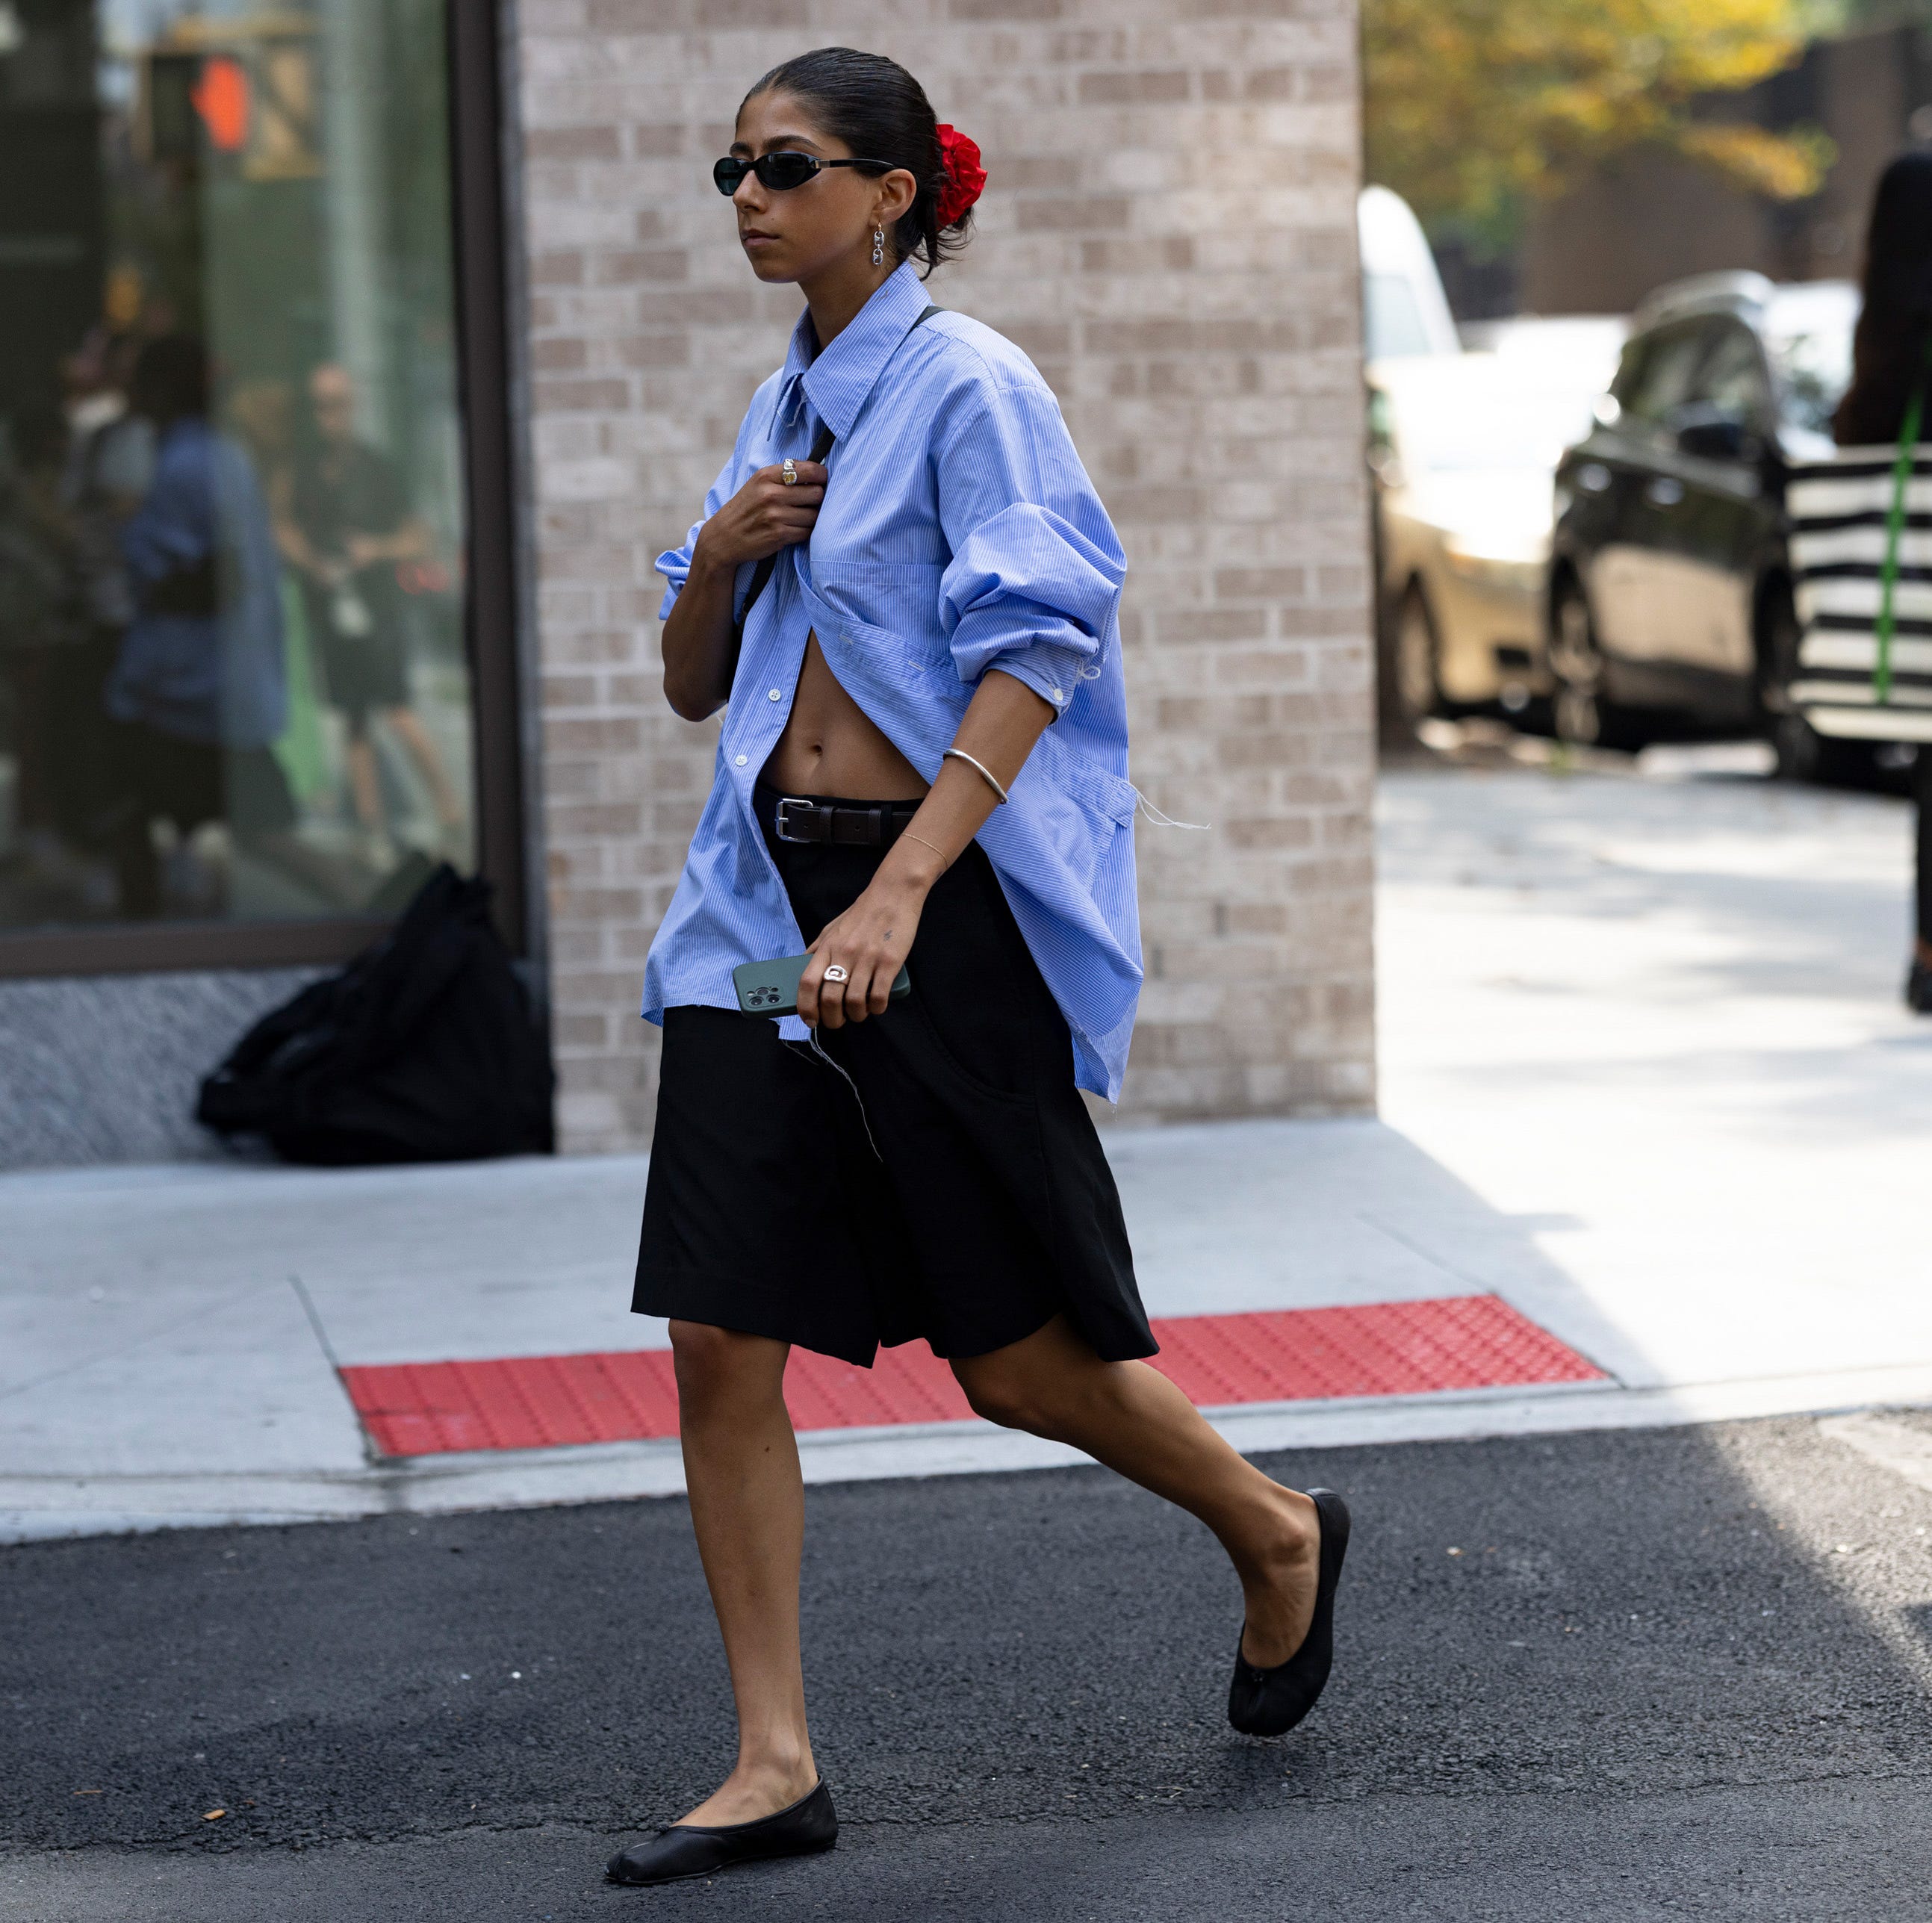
<point x="1418" y="684"/>
<point x="1581" y="710"/>
<point x="1801" y="754"/>
<point x="1793" y="740"/>
<point x="1798" y="753"/>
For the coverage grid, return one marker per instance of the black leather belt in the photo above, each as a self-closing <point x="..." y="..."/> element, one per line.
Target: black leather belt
<point x="799" y="818"/>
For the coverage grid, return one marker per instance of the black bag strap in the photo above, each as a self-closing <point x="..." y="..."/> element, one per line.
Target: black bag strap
<point x="761" y="574"/>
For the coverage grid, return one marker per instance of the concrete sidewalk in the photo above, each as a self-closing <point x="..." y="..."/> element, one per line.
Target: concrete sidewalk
<point x="1645" y="1076"/>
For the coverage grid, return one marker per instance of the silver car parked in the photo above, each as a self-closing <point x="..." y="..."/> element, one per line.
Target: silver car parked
<point x="1463" y="448"/>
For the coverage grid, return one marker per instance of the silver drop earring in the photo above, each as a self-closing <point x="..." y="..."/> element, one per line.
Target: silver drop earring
<point x="878" y="247"/>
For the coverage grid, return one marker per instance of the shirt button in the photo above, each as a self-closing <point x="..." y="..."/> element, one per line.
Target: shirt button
<point x="1057" y="695"/>
<point x="743" y="759"/>
<point x="773" y="695"/>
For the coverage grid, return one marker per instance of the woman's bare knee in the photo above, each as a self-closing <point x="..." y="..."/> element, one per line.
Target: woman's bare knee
<point x="718" y="1365"/>
<point x="1040" y="1383"/>
<point x="997" y="1392"/>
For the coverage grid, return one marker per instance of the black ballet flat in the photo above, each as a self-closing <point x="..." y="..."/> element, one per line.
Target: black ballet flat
<point x="687" y="1850"/>
<point x="1267" y="1703"/>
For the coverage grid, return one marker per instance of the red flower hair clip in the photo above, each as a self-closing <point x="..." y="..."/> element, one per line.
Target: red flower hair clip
<point x="964" y="176"/>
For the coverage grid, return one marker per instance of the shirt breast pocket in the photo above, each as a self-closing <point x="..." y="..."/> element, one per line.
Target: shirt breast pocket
<point x="893" y="605"/>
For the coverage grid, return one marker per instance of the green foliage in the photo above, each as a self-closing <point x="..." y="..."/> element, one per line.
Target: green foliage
<point x="1476" y="107"/>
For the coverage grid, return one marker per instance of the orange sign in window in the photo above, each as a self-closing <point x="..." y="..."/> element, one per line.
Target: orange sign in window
<point x="221" y="98"/>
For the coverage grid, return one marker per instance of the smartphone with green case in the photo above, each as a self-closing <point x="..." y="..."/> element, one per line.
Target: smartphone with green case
<point x="771" y="988"/>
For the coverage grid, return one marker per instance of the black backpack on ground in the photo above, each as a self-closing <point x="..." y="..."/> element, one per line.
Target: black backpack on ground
<point x="424" y="1048"/>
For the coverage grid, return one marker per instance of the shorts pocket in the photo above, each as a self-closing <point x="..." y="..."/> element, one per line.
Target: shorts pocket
<point x="971" y="979"/>
<point x="919" y="1009"/>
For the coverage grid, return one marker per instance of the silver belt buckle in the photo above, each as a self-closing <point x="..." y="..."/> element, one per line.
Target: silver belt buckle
<point x="792" y="801"/>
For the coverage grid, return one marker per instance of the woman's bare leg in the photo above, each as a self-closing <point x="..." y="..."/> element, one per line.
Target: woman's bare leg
<point x="411" y="733"/>
<point x="747" y="1509"/>
<point x="1131" y="1417"/>
<point x="363" y="786"/>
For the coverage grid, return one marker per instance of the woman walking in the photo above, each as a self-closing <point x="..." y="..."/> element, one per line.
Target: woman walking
<point x="1880" y="427"/>
<point x="903" y="594"/>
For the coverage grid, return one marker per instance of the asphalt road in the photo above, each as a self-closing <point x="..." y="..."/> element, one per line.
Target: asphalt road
<point x="1669" y="1674"/>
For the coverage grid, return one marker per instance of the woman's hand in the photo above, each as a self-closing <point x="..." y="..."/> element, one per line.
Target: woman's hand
<point x="872" y="938"/>
<point x="870" y="941"/>
<point x="762" y="516"/>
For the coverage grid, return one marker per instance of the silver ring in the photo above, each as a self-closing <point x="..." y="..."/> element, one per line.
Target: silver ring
<point x="836" y="973"/>
<point x="788" y="472"/>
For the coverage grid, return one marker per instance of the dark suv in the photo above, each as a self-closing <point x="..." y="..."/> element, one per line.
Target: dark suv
<point x="1670" y="605"/>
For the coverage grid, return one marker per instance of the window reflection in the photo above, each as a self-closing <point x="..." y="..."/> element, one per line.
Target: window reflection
<point x="231" y="676"/>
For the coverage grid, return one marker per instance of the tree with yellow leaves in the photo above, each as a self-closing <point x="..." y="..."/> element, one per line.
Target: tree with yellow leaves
<point x="1475" y="106"/>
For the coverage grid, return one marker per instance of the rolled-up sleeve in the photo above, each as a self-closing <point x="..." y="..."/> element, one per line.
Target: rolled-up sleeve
<point x="1034" y="587"/>
<point x="674" y="563"/>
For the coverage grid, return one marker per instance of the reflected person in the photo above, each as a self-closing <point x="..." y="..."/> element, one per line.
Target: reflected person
<point x="198" y="686"/>
<point x="346" y="527"/>
<point x="109" y="465"/>
<point x="40" y="637"/>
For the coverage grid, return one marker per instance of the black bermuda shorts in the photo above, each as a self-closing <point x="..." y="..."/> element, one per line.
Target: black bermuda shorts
<point x="189" y="782"/>
<point x="939" y="1176"/>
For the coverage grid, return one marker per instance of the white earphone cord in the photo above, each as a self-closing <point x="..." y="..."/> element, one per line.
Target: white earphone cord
<point x="865" y="1120"/>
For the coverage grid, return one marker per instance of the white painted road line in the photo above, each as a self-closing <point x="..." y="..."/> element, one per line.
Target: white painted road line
<point x="1892" y="1445"/>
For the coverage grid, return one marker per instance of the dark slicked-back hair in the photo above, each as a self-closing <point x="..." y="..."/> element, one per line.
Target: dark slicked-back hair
<point x="1888" y="349"/>
<point x="881" y="113"/>
<point x="171" y="378"/>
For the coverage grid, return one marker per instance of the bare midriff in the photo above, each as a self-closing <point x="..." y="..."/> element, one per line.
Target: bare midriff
<point x="830" y="746"/>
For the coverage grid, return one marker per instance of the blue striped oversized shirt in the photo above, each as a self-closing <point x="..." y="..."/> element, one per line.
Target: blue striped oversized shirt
<point x="959" y="532"/>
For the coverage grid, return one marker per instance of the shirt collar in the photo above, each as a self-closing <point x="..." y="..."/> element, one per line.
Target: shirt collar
<point x="838" y="380"/>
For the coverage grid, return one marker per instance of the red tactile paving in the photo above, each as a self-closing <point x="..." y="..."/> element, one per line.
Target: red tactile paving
<point x="1381" y="1348"/>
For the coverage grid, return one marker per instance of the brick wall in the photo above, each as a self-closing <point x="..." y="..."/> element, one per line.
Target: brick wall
<point x="1169" y="232"/>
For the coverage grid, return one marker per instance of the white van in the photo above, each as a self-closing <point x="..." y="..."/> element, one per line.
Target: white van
<point x="1404" y="310"/>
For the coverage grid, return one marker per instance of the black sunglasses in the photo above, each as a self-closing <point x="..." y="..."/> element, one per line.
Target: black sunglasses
<point x="780" y="173"/>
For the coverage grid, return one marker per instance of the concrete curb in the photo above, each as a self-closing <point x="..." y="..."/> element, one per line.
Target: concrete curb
<point x="45" y="1508"/>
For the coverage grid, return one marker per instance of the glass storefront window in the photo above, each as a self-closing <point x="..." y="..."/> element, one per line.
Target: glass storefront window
<point x="233" y="680"/>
